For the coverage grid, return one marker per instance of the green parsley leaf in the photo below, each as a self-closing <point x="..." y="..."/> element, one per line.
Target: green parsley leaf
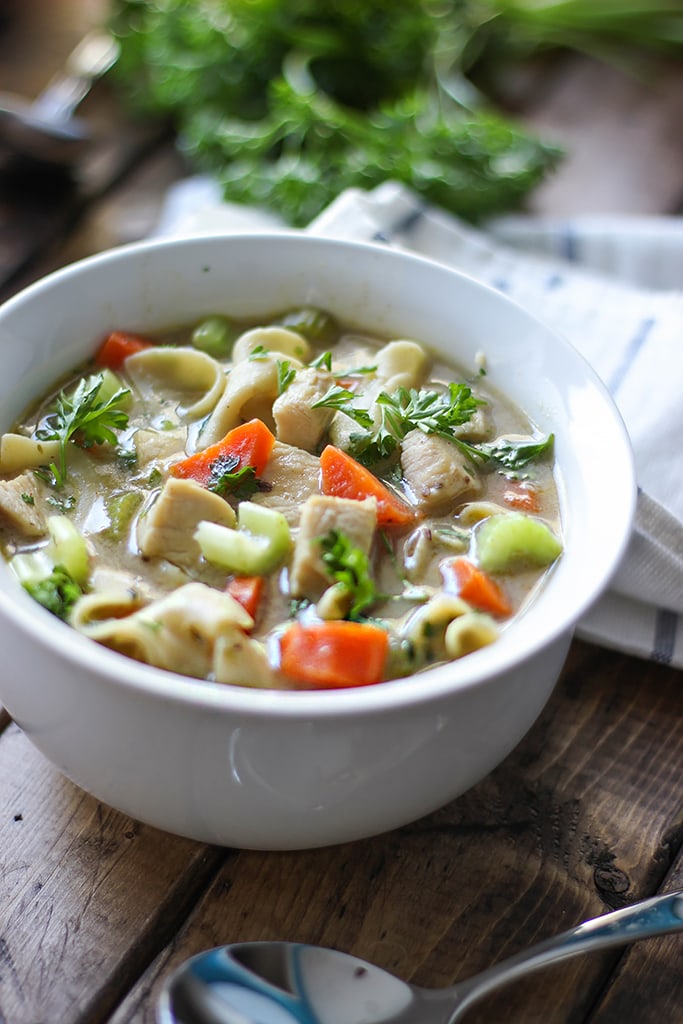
<point x="58" y="593"/>
<point x="339" y="398"/>
<point x="350" y="566"/>
<point x="81" y="418"/>
<point x="258" y="352"/>
<point x="227" y="479"/>
<point x="323" y="361"/>
<point x="507" y="455"/>
<point x="434" y="412"/>
<point x="28" y="499"/>
<point x="285" y="375"/>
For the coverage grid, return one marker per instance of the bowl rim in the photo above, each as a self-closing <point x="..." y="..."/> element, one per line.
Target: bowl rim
<point x="431" y="684"/>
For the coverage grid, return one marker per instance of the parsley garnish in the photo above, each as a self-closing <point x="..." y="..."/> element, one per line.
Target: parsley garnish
<point x="258" y="352"/>
<point x="227" y="479"/>
<point x="510" y="456"/>
<point x="350" y="566"/>
<point x="80" y="417"/>
<point x="28" y="499"/>
<point x="323" y="361"/>
<point x="339" y="398"/>
<point x="63" y="505"/>
<point x="285" y="375"/>
<point x="433" y="412"/>
<point x="58" y="593"/>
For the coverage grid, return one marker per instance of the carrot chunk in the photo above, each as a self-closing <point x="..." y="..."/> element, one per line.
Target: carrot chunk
<point x="334" y="654"/>
<point x="247" y="590"/>
<point x="522" y="498"/>
<point x="343" y="477"/>
<point x="475" y="586"/>
<point x="251" y="444"/>
<point x="116" y="348"/>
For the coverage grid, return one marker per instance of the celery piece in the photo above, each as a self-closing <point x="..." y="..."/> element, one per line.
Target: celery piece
<point x="31" y="567"/>
<point x="110" y="386"/>
<point x="67" y="547"/>
<point x="512" y="541"/>
<point x="315" y="324"/>
<point x="215" y="336"/>
<point x="256" y="547"/>
<point x="121" y="508"/>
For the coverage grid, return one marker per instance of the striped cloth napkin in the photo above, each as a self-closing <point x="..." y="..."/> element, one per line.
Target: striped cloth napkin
<point x="614" y="287"/>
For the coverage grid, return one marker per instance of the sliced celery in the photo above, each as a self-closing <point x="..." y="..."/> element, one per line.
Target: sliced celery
<point x="215" y="336"/>
<point x="31" y="567"/>
<point x="257" y="547"/>
<point x="121" y="508"/>
<point x="67" y="547"/>
<point x="512" y="541"/>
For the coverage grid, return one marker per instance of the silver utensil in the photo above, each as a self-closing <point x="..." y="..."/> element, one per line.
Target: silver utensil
<point x="45" y="129"/>
<point x="285" y="982"/>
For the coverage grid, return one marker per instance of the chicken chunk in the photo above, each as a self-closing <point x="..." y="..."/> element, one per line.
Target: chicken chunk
<point x="435" y="470"/>
<point x="291" y="476"/>
<point x="297" y="422"/>
<point x="21" y="505"/>
<point x="357" y="520"/>
<point x="167" y="529"/>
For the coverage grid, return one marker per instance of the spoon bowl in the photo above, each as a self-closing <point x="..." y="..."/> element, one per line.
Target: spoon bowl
<point x="294" y="983"/>
<point x="46" y="129"/>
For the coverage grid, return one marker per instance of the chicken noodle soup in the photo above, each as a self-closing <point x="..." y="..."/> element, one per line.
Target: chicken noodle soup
<point x="284" y="504"/>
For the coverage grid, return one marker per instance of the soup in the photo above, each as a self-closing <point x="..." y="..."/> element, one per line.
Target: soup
<point x="290" y="503"/>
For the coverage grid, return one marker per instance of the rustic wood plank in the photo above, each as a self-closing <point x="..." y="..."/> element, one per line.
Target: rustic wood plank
<point x="86" y="894"/>
<point x="517" y="859"/>
<point x="647" y="985"/>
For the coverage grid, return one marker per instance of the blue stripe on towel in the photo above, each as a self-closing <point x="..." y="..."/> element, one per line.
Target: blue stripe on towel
<point x="666" y="626"/>
<point x="568" y="244"/>
<point x="632" y="349"/>
<point x="553" y="281"/>
<point x="400" y="227"/>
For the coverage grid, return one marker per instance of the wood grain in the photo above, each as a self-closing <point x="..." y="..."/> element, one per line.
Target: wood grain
<point x="517" y="859"/>
<point x="85" y="893"/>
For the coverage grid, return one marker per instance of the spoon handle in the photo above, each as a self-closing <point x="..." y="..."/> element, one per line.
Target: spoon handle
<point x="643" y="920"/>
<point x="93" y="56"/>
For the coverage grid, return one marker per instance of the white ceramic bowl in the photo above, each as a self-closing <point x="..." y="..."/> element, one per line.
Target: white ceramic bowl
<point x="280" y="770"/>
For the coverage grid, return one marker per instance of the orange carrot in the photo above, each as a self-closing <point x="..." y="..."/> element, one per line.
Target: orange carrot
<point x="116" y="348"/>
<point x="522" y="497"/>
<point x="334" y="654"/>
<point x="247" y="590"/>
<point x="251" y="443"/>
<point x="475" y="586"/>
<point x="343" y="477"/>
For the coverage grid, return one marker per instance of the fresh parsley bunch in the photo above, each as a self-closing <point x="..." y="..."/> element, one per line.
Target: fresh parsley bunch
<point x="288" y="105"/>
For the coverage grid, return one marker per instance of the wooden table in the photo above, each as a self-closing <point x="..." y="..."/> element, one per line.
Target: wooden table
<point x="584" y="816"/>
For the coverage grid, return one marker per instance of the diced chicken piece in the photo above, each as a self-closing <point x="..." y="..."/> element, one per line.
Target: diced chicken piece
<point x="435" y="470"/>
<point x="478" y="427"/>
<point x="167" y="529"/>
<point x="357" y="520"/>
<point x="158" y="448"/>
<point x="292" y="476"/>
<point x="297" y="422"/>
<point x="241" y="661"/>
<point x="21" y="505"/>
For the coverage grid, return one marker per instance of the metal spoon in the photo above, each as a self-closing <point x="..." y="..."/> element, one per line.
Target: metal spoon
<point x="46" y="130"/>
<point x="286" y="982"/>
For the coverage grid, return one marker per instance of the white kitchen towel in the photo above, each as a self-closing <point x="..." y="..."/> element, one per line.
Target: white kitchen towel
<point x="613" y="287"/>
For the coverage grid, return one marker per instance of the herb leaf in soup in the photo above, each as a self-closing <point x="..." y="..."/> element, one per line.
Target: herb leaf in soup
<point x="86" y="417"/>
<point x="343" y="486"/>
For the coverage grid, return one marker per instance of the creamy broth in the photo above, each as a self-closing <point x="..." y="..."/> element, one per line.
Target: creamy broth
<point x="283" y="504"/>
